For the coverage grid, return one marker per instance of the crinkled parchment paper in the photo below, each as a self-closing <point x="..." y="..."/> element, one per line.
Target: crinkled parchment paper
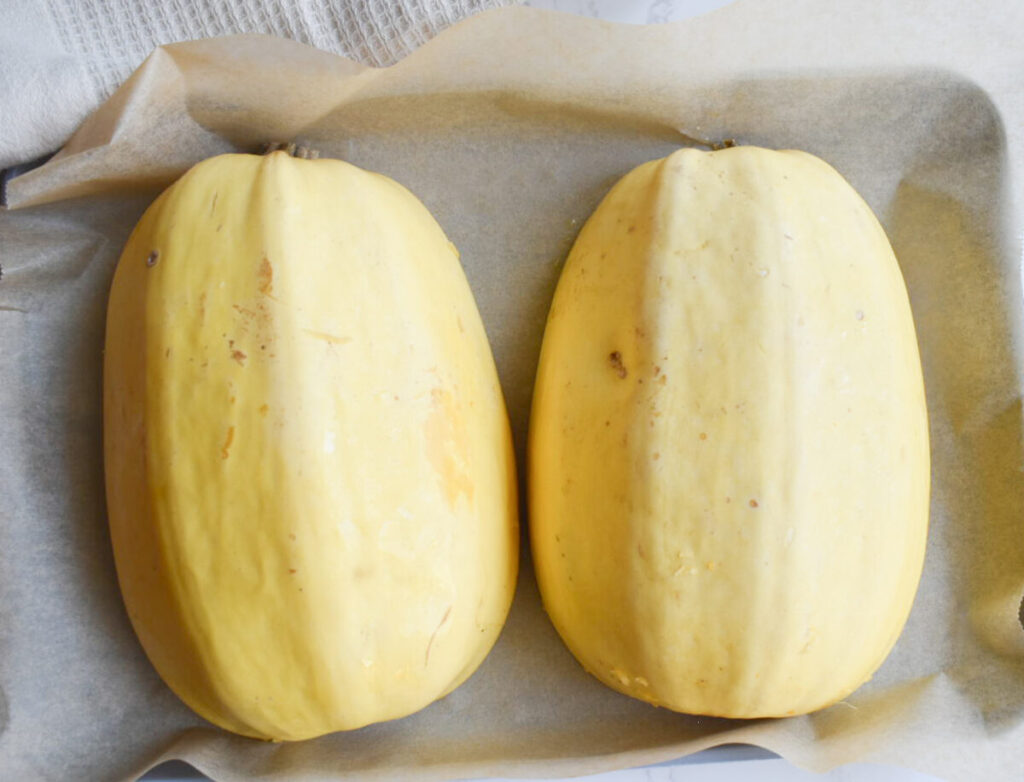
<point x="510" y="127"/>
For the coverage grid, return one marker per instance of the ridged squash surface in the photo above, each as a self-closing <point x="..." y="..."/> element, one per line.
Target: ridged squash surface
<point x="310" y="477"/>
<point x="729" y="462"/>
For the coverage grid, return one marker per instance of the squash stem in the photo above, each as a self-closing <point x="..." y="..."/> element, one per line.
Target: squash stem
<point x="293" y="149"/>
<point x="714" y="146"/>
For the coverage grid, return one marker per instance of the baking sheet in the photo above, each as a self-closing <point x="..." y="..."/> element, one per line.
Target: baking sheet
<point x="510" y="127"/>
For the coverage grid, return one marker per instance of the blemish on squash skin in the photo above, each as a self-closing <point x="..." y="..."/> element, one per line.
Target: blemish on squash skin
<point x="239" y="356"/>
<point x="213" y="203"/>
<point x="430" y="643"/>
<point x="329" y="338"/>
<point x="448" y="446"/>
<point x="263" y="409"/>
<point x="244" y="311"/>
<point x="228" y="439"/>
<point x="622" y="677"/>
<point x="615" y="359"/>
<point x="265" y="277"/>
<point x="152" y="258"/>
<point x="753" y="503"/>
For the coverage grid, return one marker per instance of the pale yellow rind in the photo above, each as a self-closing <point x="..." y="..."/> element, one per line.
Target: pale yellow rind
<point x="729" y="464"/>
<point x="310" y="475"/>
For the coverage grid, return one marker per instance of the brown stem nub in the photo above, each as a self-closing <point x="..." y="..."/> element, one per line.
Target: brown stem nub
<point x="714" y="146"/>
<point x="293" y="149"/>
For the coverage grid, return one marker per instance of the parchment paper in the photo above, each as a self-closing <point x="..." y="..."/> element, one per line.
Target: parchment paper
<point x="510" y="127"/>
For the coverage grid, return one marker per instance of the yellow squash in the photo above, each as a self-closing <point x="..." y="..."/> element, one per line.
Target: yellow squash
<point x="310" y="477"/>
<point x="729" y="466"/>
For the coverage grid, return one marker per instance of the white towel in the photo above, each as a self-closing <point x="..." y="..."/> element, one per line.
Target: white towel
<point x="59" y="59"/>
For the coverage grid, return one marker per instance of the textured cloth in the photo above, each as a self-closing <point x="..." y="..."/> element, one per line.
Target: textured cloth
<point x="59" y="59"/>
<point x="115" y="35"/>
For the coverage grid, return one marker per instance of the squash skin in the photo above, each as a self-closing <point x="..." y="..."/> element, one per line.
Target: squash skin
<point x="310" y="478"/>
<point x="728" y="456"/>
